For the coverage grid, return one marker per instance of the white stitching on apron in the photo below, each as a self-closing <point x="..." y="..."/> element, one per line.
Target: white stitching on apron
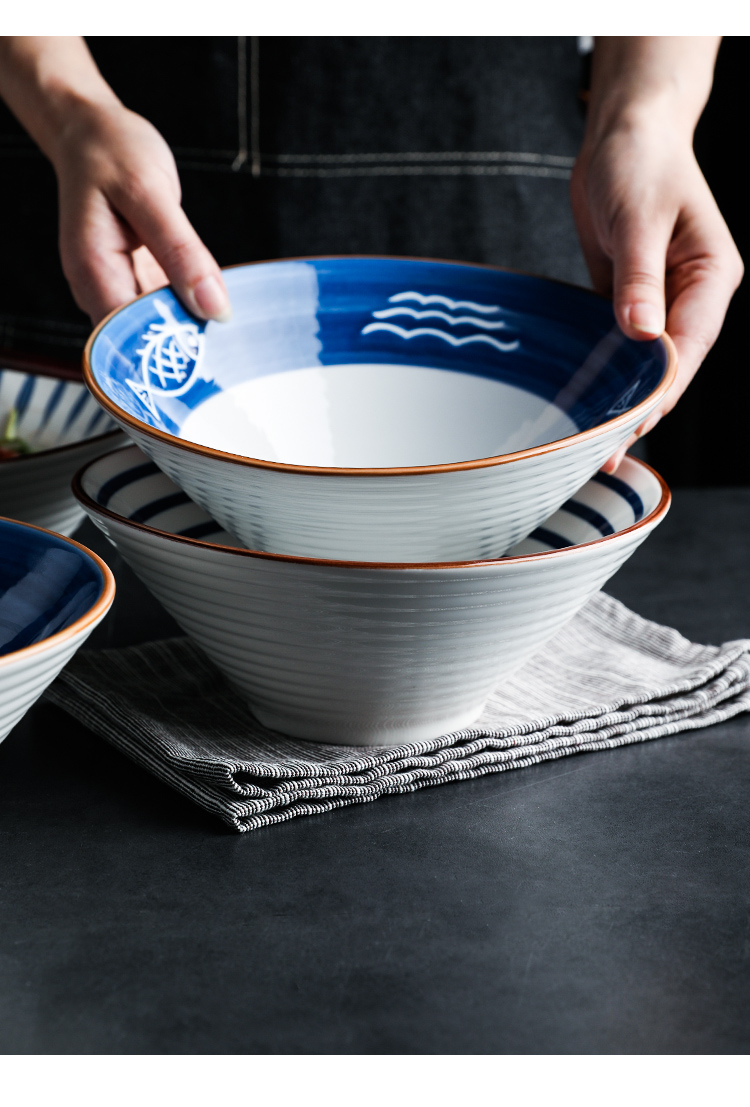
<point x="241" y="157"/>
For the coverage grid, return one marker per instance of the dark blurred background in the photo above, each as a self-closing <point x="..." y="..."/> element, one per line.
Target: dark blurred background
<point x="702" y="442"/>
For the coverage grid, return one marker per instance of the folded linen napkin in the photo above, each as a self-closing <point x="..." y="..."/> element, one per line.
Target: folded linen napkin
<point x="609" y="678"/>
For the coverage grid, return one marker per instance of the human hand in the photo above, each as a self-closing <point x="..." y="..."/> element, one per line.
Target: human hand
<point x="651" y="232"/>
<point x="122" y="229"/>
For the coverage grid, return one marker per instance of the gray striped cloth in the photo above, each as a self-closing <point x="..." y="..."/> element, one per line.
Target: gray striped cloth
<point x="608" y="679"/>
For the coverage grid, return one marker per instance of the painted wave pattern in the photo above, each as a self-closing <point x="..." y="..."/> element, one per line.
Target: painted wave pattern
<point x="477" y="319"/>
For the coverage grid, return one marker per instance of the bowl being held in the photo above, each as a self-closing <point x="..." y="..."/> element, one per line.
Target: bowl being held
<point x="360" y="653"/>
<point x="379" y="409"/>
<point x="49" y="427"/>
<point x="53" y="592"/>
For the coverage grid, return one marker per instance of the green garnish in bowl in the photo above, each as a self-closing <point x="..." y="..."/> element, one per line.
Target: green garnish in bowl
<point x="11" y="445"/>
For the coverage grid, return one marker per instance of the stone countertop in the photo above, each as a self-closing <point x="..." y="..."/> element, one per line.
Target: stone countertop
<point x="599" y="904"/>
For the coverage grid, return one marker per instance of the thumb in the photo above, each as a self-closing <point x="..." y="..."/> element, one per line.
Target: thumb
<point x="639" y="258"/>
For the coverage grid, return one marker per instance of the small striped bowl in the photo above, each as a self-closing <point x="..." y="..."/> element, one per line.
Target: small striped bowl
<point x="53" y="592"/>
<point x="65" y="428"/>
<point x="360" y="653"/>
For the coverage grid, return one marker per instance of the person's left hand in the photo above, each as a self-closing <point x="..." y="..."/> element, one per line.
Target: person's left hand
<point x="654" y="240"/>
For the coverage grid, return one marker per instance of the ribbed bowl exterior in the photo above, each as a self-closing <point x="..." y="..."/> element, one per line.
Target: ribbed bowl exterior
<point x="23" y="678"/>
<point x="459" y="515"/>
<point x="361" y="655"/>
<point x="36" y="489"/>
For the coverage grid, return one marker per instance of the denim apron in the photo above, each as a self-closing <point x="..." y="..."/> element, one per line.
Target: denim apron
<point x="445" y="147"/>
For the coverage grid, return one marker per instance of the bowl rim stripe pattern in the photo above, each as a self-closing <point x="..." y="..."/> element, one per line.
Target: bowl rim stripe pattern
<point x="91" y="506"/>
<point x="33" y="372"/>
<point x="132" y="422"/>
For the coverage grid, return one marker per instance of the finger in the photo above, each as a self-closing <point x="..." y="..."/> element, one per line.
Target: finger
<point x="148" y="273"/>
<point x="639" y="253"/>
<point x="153" y="211"/>
<point x="697" y="313"/>
<point x="95" y="249"/>
<point x="646" y="427"/>
<point x="598" y="263"/>
<point x="614" y="462"/>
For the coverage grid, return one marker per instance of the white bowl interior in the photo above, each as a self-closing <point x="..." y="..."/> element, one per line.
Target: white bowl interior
<point x="133" y="487"/>
<point x="50" y="412"/>
<point x="374" y="416"/>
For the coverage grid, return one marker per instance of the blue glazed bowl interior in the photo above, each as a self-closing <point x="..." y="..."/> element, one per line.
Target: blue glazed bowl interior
<point x="46" y="584"/>
<point x="375" y="361"/>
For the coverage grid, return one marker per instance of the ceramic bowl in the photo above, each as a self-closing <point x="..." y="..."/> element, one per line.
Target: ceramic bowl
<point x="356" y="653"/>
<point x="379" y="409"/>
<point x="53" y="592"/>
<point x="65" y="427"/>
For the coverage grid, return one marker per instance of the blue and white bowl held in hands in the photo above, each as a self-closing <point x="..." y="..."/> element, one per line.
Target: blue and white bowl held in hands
<point x="53" y="592"/>
<point x="64" y="427"/>
<point x="362" y="653"/>
<point x="379" y="409"/>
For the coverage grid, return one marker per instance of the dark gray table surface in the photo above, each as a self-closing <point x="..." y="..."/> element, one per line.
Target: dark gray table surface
<point x="599" y="904"/>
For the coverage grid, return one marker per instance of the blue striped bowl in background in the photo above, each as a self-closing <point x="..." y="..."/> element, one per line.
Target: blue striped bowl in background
<point x="65" y="428"/>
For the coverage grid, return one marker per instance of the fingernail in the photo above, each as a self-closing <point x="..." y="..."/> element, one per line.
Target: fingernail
<point x="211" y="299"/>
<point x="646" y="318"/>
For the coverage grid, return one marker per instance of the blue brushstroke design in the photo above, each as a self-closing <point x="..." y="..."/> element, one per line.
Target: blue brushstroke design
<point x="624" y="490"/>
<point x="200" y="530"/>
<point x="122" y="480"/>
<point x="95" y="418"/>
<point x="551" y="538"/>
<point x="53" y="403"/>
<point x="589" y="515"/>
<point x="76" y="409"/>
<point x="175" y="499"/>
<point x="23" y="398"/>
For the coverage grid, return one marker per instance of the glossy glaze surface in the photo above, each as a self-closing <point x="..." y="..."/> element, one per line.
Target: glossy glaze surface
<point x="354" y="336"/>
<point x="53" y="593"/>
<point x="358" y="654"/>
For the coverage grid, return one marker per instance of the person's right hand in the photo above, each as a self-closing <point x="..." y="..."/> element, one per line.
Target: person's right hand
<point x="122" y="229"/>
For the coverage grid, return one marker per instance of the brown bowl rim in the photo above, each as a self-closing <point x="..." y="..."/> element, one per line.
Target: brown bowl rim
<point x="89" y="505"/>
<point x="644" y="407"/>
<point x="97" y="611"/>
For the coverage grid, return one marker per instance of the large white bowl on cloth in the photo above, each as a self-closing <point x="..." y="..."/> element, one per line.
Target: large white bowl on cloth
<point x="363" y="653"/>
<point x="65" y="428"/>
<point x="379" y="409"/>
<point x="53" y="592"/>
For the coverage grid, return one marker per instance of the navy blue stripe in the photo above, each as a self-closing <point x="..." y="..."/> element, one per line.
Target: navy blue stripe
<point x="624" y="490"/>
<point x="201" y="530"/>
<point x="53" y="402"/>
<point x="77" y="408"/>
<point x="175" y="499"/>
<point x="24" y="396"/>
<point x="550" y="538"/>
<point x="589" y="515"/>
<point x="122" y="480"/>
<point x="95" y="418"/>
